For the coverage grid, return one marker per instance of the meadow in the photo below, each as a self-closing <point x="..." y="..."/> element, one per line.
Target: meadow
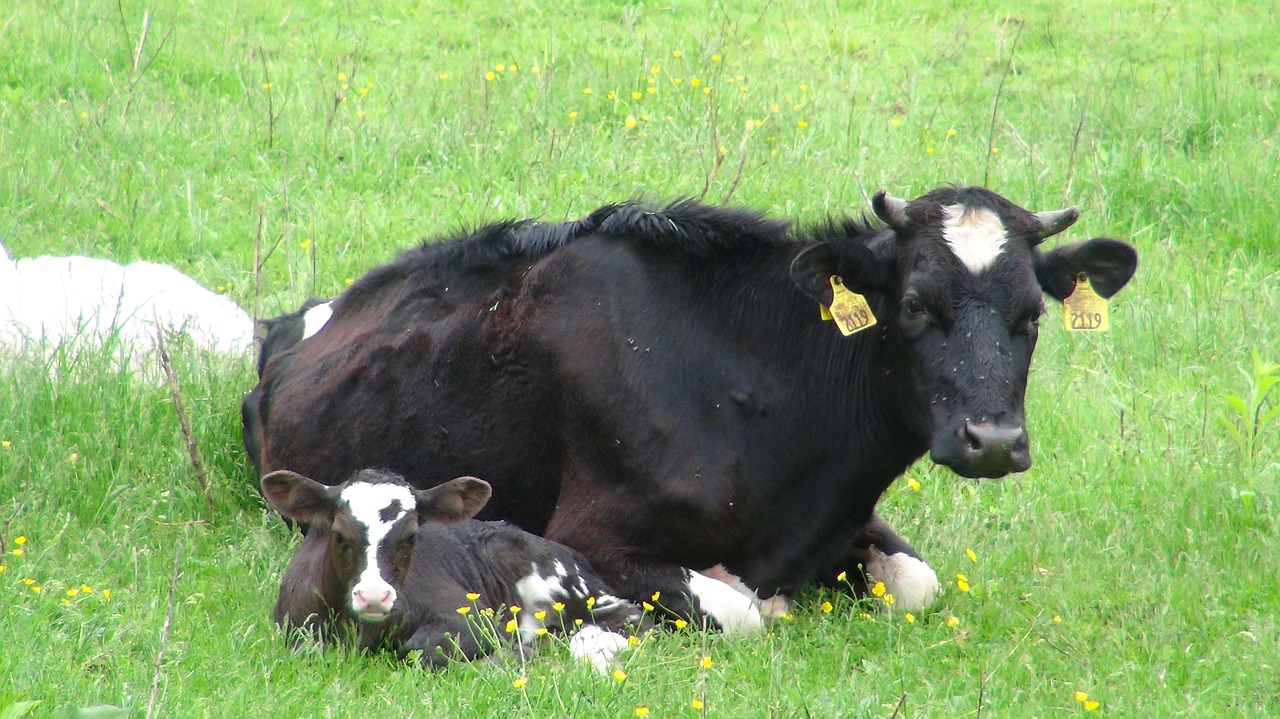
<point x="276" y="151"/>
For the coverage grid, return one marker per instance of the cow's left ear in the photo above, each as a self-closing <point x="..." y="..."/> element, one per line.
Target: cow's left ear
<point x="454" y="501"/>
<point x="299" y="498"/>
<point x="857" y="266"/>
<point x="1108" y="263"/>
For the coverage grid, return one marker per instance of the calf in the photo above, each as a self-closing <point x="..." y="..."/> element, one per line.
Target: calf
<point x="411" y="570"/>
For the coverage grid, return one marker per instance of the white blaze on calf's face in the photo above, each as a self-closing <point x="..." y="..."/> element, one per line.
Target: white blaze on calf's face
<point x="315" y="319"/>
<point x="372" y="596"/>
<point x="976" y="236"/>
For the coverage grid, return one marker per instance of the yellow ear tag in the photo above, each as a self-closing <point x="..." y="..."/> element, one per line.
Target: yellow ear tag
<point x="848" y="308"/>
<point x="1085" y="310"/>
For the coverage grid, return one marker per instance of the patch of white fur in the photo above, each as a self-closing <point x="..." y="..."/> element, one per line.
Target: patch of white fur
<point x="315" y="319"/>
<point x="83" y="302"/>
<point x="734" y="612"/>
<point x="778" y="605"/>
<point x="366" y="502"/>
<point x="536" y="593"/>
<point x="976" y="236"/>
<point x="771" y="608"/>
<point x="597" y="646"/>
<point x="913" y="584"/>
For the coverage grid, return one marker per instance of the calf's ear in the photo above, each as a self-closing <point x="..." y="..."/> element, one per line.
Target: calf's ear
<point x="299" y="498"/>
<point x="859" y="268"/>
<point x="454" y="501"/>
<point x="1108" y="263"/>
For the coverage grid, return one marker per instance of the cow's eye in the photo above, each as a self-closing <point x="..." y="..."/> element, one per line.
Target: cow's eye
<point x="1032" y="322"/>
<point x="913" y="306"/>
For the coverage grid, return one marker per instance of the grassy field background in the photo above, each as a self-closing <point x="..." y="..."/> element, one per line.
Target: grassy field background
<point x="1137" y="562"/>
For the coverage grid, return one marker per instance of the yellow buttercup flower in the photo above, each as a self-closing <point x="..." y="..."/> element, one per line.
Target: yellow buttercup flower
<point x="962" y="582"/>
<point x="842" y="576"/>
<point x="706" y="662"/>
<point x="540" y="615"/>
<point x="642" y="711"/>
<point x="681" y="624"/>
<point x="913" y="485"/>
<point x="558" y="606"/>
<point x="20" y="540"/>
<point x="630" y="121"/>
<point x="878" y="589"/>
<point x="1090" y="705"/>
<point x="473" y="596"/>
<point x="591" y="602"/>
<point x="511" y="626"/>
<point x="910" y="617"/>
<point x="973" y="557"/>
<point x="462" y="610"/>
<point x="619" y="675"/>
<point x="1081" y="696"/>
<point x="953" y="621"/>
<point x="519" y="683"/>
<point x="826" y="607"/>
<point x="697" y="704"/>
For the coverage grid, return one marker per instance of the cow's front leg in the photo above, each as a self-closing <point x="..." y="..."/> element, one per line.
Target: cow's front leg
<point x="680" y="593"/>
<point x="878" y="554"/>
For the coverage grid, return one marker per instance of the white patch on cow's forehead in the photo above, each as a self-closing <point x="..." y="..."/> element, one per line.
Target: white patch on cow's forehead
<point x="315" y="319"/>
<point x="367" y="502"/>
<point x="975" y="235"/>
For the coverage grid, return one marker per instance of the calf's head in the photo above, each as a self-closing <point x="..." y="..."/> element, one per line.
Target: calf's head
<point x="372" y="523"/>
<point x="957" y="280"/>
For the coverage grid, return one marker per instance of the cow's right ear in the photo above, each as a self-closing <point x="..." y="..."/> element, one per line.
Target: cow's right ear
<point x="454" y="501"/>
<point x="858" y="267"/>
<point x="299" y="498"/>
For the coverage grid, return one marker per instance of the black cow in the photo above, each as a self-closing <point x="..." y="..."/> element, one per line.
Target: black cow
<point x="411" y="571"/>
<point x="655" y="388"/>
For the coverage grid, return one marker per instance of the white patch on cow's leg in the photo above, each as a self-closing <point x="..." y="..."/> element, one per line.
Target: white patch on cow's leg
<point x="597" y="646"/>
<point x="719" y="573"/>
<point x="315" y="319"/>
<point x="976" y="235"/>
<point x="373" y="597"/>
<point x="913" y="584"/>
<point x="776" y="606"/>
<point x="734" y="612"/>
<point x="770" y="608"/>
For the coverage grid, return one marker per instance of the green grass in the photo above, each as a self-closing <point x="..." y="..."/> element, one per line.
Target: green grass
<point x="1136" y="561"/>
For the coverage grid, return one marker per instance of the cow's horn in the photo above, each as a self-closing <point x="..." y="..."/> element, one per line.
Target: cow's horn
<point x="1051" y="223"/>
<point x="890" y="209"/>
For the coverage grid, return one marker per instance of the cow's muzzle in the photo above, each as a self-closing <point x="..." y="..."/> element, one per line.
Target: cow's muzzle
<point x="985" y="449"/>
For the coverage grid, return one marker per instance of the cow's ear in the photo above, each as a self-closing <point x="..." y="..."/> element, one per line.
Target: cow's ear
<point x="859" y="267"/>
<point x="299" y="498"/>
<point x="1108" y="263"/>
<point x="454" y="501"/>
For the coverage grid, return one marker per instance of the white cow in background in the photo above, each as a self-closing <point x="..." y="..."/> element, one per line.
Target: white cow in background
<point x="82" y="302"/>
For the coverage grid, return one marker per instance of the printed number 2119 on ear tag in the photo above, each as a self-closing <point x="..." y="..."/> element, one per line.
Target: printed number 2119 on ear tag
<point x="1085" y="310"/>
<point x="848" y="308"/>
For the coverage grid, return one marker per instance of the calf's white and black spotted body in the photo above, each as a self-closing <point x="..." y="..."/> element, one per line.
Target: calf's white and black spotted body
<point x="398" y="563"/>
